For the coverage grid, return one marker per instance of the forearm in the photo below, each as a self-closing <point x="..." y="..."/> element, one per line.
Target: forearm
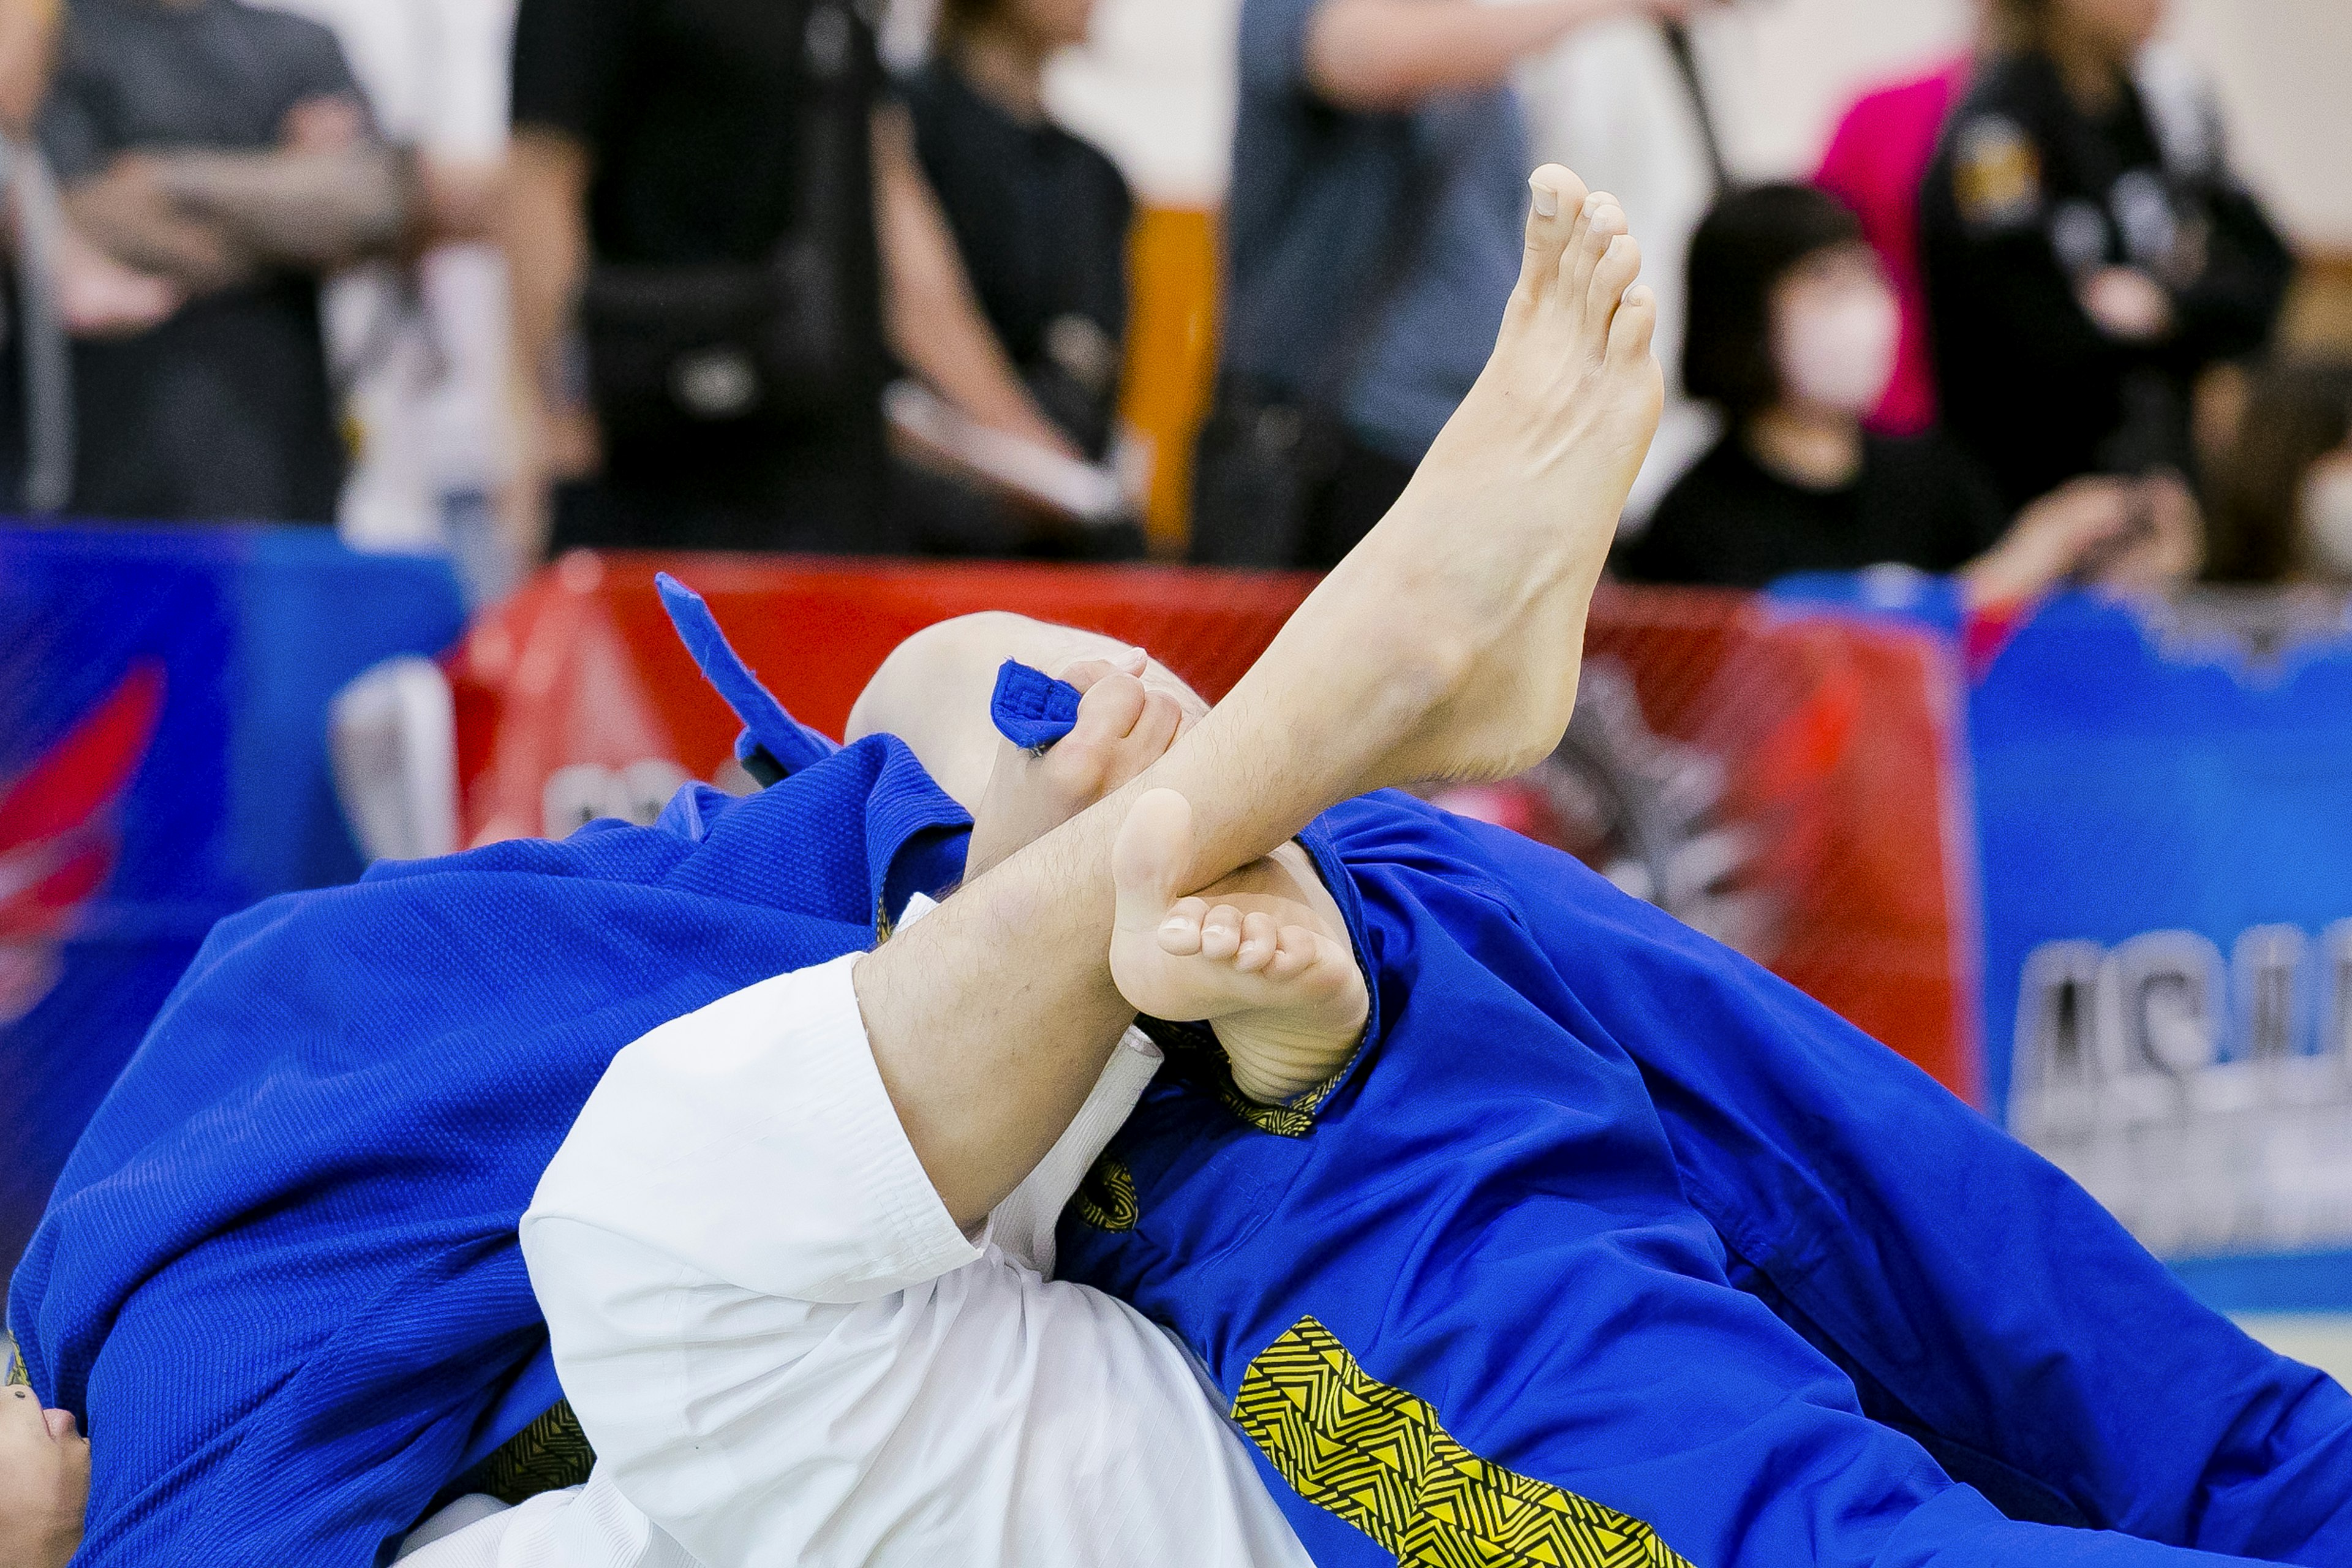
<point x="545" y="236"/>
<point x="931" y="314"/>
<point x="543" y="230"/>
<point x="1388" y="55"/>
<point x="314" y="210"/>
<point x="139" y="230"/>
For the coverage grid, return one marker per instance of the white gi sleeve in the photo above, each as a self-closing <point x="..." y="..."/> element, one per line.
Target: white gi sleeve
<point x="786" y="1351"/>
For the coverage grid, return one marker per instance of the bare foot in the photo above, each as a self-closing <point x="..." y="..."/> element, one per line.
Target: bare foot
<point x="1463" y="610"/>
<point x="1262" y="957"/>
<point x="44" y="1482"/>
<point x="1123" y="726"/>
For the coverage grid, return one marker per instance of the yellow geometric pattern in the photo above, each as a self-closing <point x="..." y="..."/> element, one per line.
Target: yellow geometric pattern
<point x="1194" y="1051"/>
<point x="1376" y="1456"/>
<point x="1107" y="1199"/>
<point x="17" y="1376"/>
<point x="546" y="1456"/>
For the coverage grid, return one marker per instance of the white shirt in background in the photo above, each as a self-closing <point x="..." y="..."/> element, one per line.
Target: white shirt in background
<point x="786" y="1352"/>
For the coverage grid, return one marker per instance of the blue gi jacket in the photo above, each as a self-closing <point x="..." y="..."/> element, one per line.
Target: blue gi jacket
<point x="1609" y="1247"/>
<point x="280" y="1280"/>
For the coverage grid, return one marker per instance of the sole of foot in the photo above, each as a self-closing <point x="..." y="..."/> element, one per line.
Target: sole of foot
<point x="1262" y="957"/>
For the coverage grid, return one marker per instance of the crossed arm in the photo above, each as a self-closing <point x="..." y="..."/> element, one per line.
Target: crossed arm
<point x="202" y="220"/>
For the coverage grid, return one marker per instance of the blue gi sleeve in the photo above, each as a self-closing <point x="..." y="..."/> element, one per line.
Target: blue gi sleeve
<point x="1989" y="1300"/>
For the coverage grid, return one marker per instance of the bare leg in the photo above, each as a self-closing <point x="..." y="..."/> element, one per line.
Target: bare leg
<point x="1447" y="645"/>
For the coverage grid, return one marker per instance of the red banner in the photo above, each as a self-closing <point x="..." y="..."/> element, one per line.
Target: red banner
<point x="1790" y="787"/>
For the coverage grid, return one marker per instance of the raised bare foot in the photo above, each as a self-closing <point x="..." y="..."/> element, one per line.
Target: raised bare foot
<point x="1463" y="610"/>
<point x="1262" y="957"/>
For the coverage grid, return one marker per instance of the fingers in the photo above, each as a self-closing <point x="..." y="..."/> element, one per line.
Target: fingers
<point x="1155" y="730"/>
<point x="1085" y="672"/>
<point x="1108" y="711"/>
<point x="1556" y="200"/>
<point x="1123" y="728"/>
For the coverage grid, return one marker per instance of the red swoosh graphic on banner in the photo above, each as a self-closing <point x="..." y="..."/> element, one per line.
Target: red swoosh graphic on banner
<point x="56" y="848"/>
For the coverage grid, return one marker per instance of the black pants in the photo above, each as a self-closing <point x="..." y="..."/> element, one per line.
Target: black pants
<point x="1277" y="483"/>
<point x="1364" y="484"/>
<point x="822" y="488"/>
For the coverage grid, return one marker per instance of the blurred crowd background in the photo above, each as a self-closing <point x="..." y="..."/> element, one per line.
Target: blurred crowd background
<point x="1966" y="304"/>
<point x="2030" y="292"/>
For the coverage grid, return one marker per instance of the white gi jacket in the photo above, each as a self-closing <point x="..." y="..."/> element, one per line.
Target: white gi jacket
<point x="786" y="1352"/>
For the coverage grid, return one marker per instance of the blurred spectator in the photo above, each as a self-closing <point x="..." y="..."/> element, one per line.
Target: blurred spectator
<point x="1372" y="232"/>
<point x="2283" y="493"/>
<point x="28" y="41"/>
<point x="418" y="341"/>
<point x="1039" y="219"/>
<point x="219" y="159"/>
<point x="2082" y="266"/>
<point x="1878" y="159"/>
<point x="710" y="185"/>
<point x="1792" y="333"/>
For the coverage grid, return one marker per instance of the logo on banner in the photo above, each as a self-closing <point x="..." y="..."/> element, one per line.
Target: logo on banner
<point x="2205" y="1100"/>
<point x="57" y="842"/>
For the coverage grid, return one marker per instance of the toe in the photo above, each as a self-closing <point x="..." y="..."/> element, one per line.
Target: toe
<point x="1607" y="221"/>
<point x="1259" y="939"/>
<point x="1618" y="265"/>
<point x="1294" y="953"/>
<point x="1635" y="324"/>
<point x="1179" y="933"/>
<point x="1555" y="205"/>
<point x="1221" y="933"/>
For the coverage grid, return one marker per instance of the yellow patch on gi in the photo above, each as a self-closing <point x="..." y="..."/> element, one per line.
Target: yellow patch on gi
<point x="1378" y="1457"/>
<point x="1107" y="1198"/>
<point x="546" y="1456"/>
<point x="1996" y="173"/>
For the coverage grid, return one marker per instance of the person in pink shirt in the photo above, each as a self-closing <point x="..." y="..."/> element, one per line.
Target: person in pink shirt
<point x="1877" y="162"/>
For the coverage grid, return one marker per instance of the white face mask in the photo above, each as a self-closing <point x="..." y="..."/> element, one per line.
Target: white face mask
<point x="2327" y="517"/>
<point x="1839" y="351"/>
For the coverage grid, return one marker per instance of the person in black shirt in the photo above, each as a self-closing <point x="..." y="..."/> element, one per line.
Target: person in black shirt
<point x="2084" y="263"/>
<point x="1041" y="220"/>
<point x="1040" y="217"/>
<point x="223" y="155"/>
<point x="715" y="192"/>
<point x="1793" y="335"/>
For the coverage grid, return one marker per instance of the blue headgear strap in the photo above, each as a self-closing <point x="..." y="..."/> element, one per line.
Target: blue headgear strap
<point x="773" y="745"/>
<point x="1031" y="709"/>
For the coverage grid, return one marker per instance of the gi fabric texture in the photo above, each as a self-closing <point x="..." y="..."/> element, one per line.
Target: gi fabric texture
<point x="1611" y="1248"/>
<point x="279" y="1282"/>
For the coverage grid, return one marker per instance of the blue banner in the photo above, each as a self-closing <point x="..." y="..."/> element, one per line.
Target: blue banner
<point x="163" y="764"/>
<point x="2164" y="820"/>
